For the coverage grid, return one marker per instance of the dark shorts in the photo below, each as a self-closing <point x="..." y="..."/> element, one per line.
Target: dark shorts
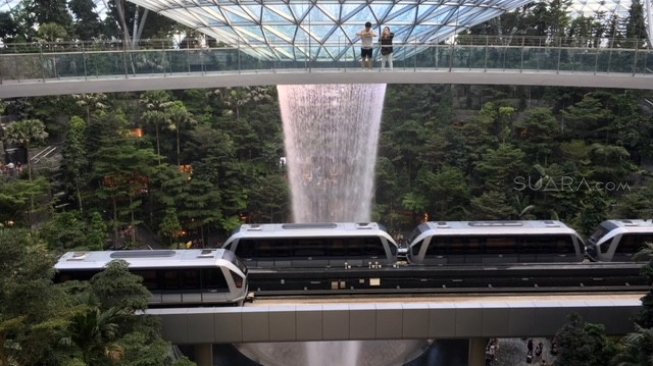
<point x="366" y="53"/>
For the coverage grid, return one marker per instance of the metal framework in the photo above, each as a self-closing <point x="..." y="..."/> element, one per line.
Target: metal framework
<point x="10" y="5"/>
<point x="325" y="30"/>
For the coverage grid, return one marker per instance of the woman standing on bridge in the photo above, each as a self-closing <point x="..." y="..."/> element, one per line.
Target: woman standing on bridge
<point x="386" y="47"/>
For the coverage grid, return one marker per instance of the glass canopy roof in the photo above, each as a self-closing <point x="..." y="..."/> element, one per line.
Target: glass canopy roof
<point x="325" y="30"/>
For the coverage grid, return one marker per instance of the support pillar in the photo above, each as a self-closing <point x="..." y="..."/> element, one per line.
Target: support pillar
<point x="476" y="351"/>
<point x="204" y="354"/>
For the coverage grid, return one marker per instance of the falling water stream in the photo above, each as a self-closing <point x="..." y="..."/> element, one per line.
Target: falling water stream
<point x="331" y="138"/>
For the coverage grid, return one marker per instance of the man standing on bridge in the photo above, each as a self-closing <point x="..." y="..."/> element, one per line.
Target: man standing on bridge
<point x="367" y="38"/>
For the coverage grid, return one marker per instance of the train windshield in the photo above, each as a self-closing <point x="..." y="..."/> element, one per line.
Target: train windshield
<point x="598" y="234"/>
<point x="417" y="232"/>
<point x="603" y="230"/>
<point x="231" y="257"/>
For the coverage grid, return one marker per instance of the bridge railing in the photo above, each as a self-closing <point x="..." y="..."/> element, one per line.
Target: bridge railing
<point x="49" y="64"/>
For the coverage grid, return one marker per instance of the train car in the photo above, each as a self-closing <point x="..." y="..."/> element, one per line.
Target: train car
<point x="494" y="242"/>
<point x="174" y="277"/>
<point x="313" y="245"/>
<point x="619" y="240"/>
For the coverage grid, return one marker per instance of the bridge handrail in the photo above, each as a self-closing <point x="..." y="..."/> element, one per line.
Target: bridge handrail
<point x="470" y="40"/>
<point x="46" y="65"/>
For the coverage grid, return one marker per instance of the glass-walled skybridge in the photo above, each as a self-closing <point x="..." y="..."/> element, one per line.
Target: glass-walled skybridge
<point x="36" y="64"/>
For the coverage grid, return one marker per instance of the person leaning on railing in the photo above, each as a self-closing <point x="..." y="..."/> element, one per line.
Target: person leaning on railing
<point x="386" y="47"/>
<point x="367" y="37"/>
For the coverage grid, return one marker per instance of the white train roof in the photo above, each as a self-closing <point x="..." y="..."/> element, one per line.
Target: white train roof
<point x="630" y="225"/>
<point x="528" y="227"/>
<point x="335" y="229"/>
<point x="144" y="258"/>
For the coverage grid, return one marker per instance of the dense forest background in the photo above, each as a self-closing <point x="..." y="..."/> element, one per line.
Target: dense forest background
<point x="161" y="168"/>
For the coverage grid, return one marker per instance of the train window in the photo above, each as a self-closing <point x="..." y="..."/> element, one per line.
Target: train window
<point x="417" y="232"/>
<point x="231" y="257"/>
<point x="308" y="247"/>
<point x="213" y="279"/>
<point x="149" y="278"/>
<point x="373" y="246"/>
<point x="245" y="248"/>
<point x="501" y="245"/>
<point x="190" y="279"/>
<point x="416" y="248"/>
<point x="599" y="233"/>
<point x="633" y="242"/>
<point x="76" y="275"/>
<point x="170" y="279"/>
<point x="546" y="244"/>
<point x="338" y="248"/>
<point x="311" y="247"/>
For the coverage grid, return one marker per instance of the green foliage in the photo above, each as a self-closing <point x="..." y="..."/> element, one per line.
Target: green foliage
<point x="116" y="287"/>
<point x="583" y="344"/>
<point x="15" y="197"/>
<point x="96" y="236"/>
<point x="170" y="227"/>
<point x="74" y="164"/>
<point x="498" y="168"/>
<point x="52" y="32"/>
<point x="65" y="231"/>
<point x="492" y="205"/>
<point x="636" y="26"/>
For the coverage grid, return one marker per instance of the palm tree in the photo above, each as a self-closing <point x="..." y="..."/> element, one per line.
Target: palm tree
<point x="179" y="117"/>
<point x="24" y="133"/>
<point x="155" y="104"/>
<point x="94" y="331"/>
<point x="91" y="102"/>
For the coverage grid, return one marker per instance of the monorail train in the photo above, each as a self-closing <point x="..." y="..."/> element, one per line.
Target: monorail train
<point x="494" y="242"/>
<point x="174" y="277"/>
<point x="619" y="240"/>
<point x="313" y="245"/>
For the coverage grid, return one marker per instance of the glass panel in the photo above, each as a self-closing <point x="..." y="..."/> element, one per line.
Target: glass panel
<point x="213" y="280"/>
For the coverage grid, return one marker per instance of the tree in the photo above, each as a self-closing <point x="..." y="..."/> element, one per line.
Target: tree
<point x="583" y="344"/>
<point x="179" y="118"/>
<point x="32" y="312"/>
<point x="9" y="29"/>
<point x="94" y="331"/>
<point x="117" y="288"/>
<point x="49" y="11"/>
<point x="170" y="228"/>
<point x="636" y="26"/>
<point x="16" y="197"/>
<point x="637" y="348"/>
<point x="87" y="24"/>
<point x="587" y="119"/>
<point x="124" y="170"/>
<point x="498" y="168"/>
<point x="24" y="133"/>
<point x="155" y="104"/>
<point x="74" y="164"/>
<point x="492" y="205"/>
<point x="52" y="32"/>
<point x="537" y="134"/>
<point x="97" y="232"/>
<point x="65" y="231"/>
